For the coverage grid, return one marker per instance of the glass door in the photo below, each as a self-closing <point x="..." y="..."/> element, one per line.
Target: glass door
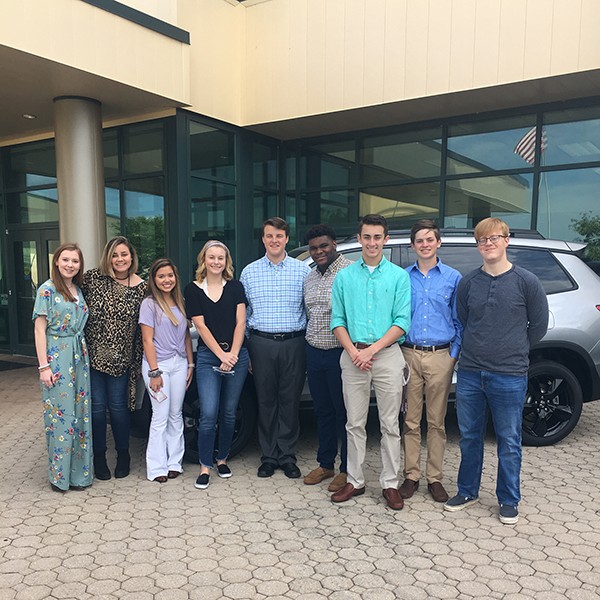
<point x="30" y="255"/>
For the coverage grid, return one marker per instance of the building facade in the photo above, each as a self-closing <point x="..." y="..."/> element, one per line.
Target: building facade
<point x="178" y="121"/>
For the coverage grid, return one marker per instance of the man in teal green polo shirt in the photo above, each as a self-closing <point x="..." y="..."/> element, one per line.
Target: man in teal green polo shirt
<point x="370" y="315"/>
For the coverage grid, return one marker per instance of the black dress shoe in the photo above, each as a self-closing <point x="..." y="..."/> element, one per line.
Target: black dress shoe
<point x="101" y="470"/>
<point x="266" y="470"/>
<point x="291" y="470"/>
<point x="123" y="462"/>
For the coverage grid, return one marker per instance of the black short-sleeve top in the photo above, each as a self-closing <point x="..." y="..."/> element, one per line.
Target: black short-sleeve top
<point x="219" y="316"/>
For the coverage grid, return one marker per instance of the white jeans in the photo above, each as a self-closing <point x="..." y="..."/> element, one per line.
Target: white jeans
<point x="165" y="441"/>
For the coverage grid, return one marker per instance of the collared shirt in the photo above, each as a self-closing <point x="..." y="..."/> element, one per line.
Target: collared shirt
<point x="434" y="317"/>
<point x="275" y="295"/>
<point x="367" y="304"/>
<point x="317" y="299"/>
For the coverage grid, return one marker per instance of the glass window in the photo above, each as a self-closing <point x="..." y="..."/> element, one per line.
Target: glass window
<point x="212" y="152"/>
<point x="112" y="206"/>
<point x="508" y="197"/>
<point x="213" y="213"/>
<point x="402" y="205"/>
<point x="401" y="156"/>
<point x="333" y="207"/>
<point x="565" y="198"/>
<point x="327" y="165"/>
<point x="541" y="262"/>
<point x="290" y="173"/>
<point x="36" y="206"/>
<point x="29" y="165"/>
<point x="143" y="148"/>
<point x="145" y="219"/>
<point x="111" y="154"/>
<point x="572" y="142"/>
<point x="264" y="163"/>
<point x="490" y="146"/>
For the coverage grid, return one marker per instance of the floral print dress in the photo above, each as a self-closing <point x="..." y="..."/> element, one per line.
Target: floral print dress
<point x="67" y="421"/>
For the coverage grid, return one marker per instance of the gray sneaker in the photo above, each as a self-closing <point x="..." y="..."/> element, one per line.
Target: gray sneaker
<point x="458" y="503"/>
<point x="508" y="515"/>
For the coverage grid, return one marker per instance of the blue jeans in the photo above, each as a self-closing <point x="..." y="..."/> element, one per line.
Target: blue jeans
<point x="324" y="376"/>
<point x="505" y="396"/>
<point x="219" y="396"/>
<point x="110" y="393"/>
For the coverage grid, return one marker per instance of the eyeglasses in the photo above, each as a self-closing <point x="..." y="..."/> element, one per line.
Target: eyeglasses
<point x="493" y="238"/>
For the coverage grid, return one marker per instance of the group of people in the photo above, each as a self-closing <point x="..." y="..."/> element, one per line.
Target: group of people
<point x="348" y="326"/>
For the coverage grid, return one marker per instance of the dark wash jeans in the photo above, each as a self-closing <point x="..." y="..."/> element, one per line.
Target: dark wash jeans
<point x="324" y="376"/>
<point x="505" y="396"/>
<point x="110" y="393"/>
<point x="219" y="396"/>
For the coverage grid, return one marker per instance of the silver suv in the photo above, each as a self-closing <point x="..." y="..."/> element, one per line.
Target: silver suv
<point x="564" y="367"/>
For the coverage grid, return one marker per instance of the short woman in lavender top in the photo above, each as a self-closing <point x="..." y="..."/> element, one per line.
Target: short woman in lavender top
<point x="167" y="369"/>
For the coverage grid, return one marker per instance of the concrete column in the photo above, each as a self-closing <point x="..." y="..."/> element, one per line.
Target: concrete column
<point x="80" y="174"/>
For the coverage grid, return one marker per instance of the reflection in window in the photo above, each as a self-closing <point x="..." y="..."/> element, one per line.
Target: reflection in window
<point x="29" y="165"/>
<point x="402" y="205"/>
<point x="508" y="197"/>
<point x="264" y="206"/>
<point x="111" y="154"/>
<point x="487" y="146"/>
<point x="333" y="207"/>
<point x="143" y="148"/>
<point x="564" y="197"/>
<point x="212" y="152"/>
<point x="213" y="214"/>
<point x="36" y="206"/>
<point x="327" y="165"/>
<point x="574" y="142"/>
<point x="113" y="210"/>
<point x="541" y="262"/>
<point x="145" y="218"/>
<point x="401" y="156"/>
<point x="264" y="163"/>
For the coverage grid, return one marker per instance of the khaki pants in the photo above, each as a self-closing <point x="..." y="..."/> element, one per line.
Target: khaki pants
<point x="386" y="377"/>
<point x="430" y="372"/>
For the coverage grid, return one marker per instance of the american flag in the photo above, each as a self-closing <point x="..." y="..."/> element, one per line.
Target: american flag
<point x="525" y="147"/>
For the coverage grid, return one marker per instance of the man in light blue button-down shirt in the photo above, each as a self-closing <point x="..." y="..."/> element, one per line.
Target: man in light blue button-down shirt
<point x="370" y="315"/>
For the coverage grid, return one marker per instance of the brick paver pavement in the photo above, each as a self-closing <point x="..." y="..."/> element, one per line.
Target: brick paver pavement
<point x="250" y="538"/>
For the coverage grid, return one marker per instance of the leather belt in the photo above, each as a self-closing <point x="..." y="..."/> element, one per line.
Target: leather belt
<point x="361" y="346"/>
<point x="426" y="348"/>
<point x="278" y="337"/>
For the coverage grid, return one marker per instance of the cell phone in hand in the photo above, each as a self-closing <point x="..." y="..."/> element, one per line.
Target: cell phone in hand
<point x="158" y="396"/>
<point x="221" y="372"/>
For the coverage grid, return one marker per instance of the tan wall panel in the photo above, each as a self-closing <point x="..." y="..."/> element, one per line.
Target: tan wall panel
<point x="538" y="38"/>
<point x="462" y="44"/>
<point x="374" y="51"/>
<point x="589" y="47"/>
<point x="566" y="20"/>
<point x="394" y="49"/>
<point x="334" y="15"/>
<point x="316" y="76"/>
<point x="511" y="58"/>
<point x="79" y="35"/>
<point x="438" y="46"/>
<point x="487" y="43"/>
<point x="417" y="42"/>
<point x="354" y="53"/>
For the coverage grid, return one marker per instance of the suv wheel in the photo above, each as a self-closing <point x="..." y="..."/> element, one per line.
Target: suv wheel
<point x="553" y="404"/>
<point x="245" y="421"/>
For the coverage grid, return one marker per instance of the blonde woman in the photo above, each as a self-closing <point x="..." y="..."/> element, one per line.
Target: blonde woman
<point x="167" y="369"/>
<point x="59" y="316"/>
<point x="113" y="293"/>
<point x="216" y="303"/>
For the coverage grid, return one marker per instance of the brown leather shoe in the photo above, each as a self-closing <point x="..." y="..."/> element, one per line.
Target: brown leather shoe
<point x="408" y="488"/>
<point x="339" y="481"/>
<point x="437" y="491"/>
<point x="347" y="492"/>
<point x="317" y="475"/>
<point x="393" y="498"/>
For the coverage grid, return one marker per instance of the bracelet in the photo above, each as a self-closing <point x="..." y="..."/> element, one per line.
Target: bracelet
<point x="191" y="366"/>
<point x="152" y="373"/>
<point x="43" y="367"/>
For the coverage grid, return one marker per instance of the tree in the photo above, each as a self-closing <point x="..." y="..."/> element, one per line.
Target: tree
<point x="588" y="227"/>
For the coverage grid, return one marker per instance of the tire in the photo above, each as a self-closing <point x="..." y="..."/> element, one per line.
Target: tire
<point x="553" y="404"/>
<point x="245" y="422"/>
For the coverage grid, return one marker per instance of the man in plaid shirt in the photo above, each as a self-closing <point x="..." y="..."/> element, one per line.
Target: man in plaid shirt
<point x="323" y="353"/>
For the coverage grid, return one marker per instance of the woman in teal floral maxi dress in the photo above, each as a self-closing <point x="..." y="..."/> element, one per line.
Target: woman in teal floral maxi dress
<point x="59" y="315"/>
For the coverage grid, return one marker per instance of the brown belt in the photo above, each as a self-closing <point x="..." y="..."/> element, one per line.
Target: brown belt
<point x="361" y="346"/>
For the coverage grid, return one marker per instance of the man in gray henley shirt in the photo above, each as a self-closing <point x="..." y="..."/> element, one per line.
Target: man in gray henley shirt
<point x="504" y="311"/>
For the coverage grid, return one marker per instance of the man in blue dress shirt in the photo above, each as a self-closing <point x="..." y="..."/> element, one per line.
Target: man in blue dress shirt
<point x="276" y="323"/>
<point x="370" y="315"/>
<point x="431" y="350"/>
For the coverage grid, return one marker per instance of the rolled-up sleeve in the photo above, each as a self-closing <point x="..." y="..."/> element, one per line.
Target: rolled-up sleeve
<point x="338" y="310"/>
<point x="401" y="312"/>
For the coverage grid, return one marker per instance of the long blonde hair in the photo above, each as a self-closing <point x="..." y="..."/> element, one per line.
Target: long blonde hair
<point x="157" y="295"/>
<point x="201" y="270"/>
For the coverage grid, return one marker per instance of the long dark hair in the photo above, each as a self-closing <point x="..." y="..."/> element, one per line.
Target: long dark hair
<point x="157" y="295"/>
